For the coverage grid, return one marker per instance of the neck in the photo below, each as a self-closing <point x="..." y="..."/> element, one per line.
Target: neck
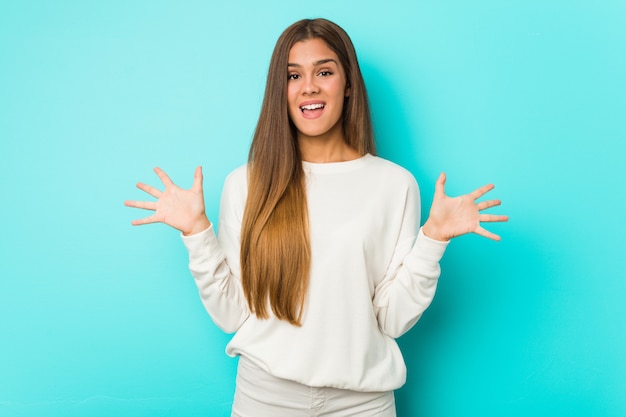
<point x="324" y="153"/>
<point x="327" y="148"/>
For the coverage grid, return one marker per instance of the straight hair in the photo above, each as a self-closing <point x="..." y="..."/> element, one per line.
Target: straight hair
<point x="275" y="241"/>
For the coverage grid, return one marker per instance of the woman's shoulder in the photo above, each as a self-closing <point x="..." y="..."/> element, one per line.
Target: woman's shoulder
<point x="235" y="187"/>
<point x="237" y="177"/>
<point x="390" y="170"/>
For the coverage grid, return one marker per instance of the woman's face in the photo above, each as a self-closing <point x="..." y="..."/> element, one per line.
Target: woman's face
<point x="316" y="90"/>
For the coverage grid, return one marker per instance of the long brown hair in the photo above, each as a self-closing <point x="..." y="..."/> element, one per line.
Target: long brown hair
<point x="275" y="243"/>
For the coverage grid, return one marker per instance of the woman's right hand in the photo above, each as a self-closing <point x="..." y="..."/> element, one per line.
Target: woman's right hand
<point x="181" y="209"/>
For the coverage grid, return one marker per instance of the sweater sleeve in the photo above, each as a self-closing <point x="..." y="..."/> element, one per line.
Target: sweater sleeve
<point x="214" y="263"/>
<point x="219" y="289"/>
<point x="410" y="282"/>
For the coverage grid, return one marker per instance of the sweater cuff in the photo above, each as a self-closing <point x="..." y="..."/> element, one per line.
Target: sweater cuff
<point x="201" y="243"/>
<point x="429" y="248"/>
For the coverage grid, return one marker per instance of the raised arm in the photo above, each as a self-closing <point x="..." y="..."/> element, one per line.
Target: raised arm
<point x="214" y="266"/>
<point x="181" y="209"/>
<point x="411" y="281"/>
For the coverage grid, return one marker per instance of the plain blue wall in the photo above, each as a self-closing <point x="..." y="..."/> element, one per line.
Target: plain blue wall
<point x="101" y="319"/>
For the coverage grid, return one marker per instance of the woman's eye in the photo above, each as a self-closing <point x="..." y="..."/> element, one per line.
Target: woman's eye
<point x="293" y="76"/>
<point x="325" y="73"/>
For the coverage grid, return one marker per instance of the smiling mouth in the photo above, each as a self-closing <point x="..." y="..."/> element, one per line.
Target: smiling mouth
<point x="310" y="107"/>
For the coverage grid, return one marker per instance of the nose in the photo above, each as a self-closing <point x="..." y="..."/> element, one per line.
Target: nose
<point x="310" y="86"/>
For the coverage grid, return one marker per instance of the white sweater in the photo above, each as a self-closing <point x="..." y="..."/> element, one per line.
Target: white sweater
<point x="373" y="274"/>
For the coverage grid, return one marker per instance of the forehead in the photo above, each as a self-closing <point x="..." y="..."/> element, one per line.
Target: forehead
<point x="310" y="51"/>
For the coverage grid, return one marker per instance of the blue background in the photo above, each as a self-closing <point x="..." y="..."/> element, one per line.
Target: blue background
<point x="99" y="319"/>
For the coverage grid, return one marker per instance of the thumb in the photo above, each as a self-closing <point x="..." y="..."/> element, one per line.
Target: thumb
<point x="197" y="179"/>
<point x="440" y="186"/>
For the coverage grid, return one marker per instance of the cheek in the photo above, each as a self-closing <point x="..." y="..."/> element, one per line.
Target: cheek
<point x="292" y="93"/>
<point x="290" y="99"/>
<point x="341" y="89"/>
<point x="291" y="102"/>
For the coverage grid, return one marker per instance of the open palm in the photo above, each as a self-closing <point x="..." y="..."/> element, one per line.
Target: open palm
<point x="456" y="216"/>
<point x="181" y="209"/>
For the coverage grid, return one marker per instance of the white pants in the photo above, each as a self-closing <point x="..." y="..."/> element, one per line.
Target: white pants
<point x="259" y="394"/>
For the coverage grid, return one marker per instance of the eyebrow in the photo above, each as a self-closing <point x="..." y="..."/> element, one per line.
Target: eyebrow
<point x="316" y="63"/>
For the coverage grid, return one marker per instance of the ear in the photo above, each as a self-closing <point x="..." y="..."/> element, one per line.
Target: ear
<point x="347" y="91"/>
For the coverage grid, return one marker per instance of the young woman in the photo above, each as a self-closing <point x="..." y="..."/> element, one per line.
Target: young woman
<point x="320" y="262"/>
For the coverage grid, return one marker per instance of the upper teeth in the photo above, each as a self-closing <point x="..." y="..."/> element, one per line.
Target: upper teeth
<point x="312" y="106"/>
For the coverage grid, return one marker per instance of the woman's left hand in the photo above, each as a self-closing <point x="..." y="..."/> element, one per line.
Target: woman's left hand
<point x="456" y="216"/>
